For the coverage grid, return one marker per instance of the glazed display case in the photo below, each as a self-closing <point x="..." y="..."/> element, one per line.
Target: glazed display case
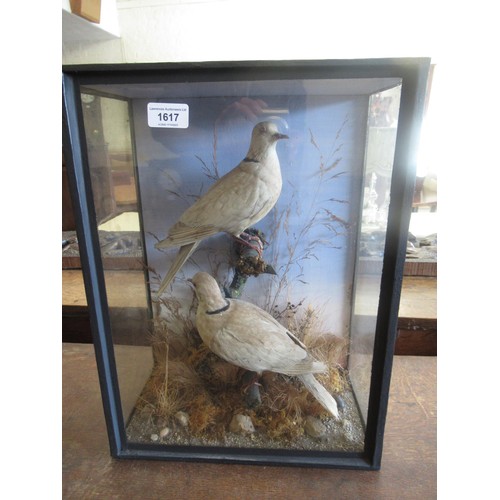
<point x="322" y="214"/>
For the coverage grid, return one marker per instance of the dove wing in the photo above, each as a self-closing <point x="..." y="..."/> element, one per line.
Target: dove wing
<point x="181" y="235"/>
<point x="232" y="204"/>
<point x="251" y="338"/>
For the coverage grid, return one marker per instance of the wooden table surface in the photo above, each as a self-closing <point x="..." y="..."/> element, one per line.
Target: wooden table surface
<point x="126" y="288"/>
<point x="408" y="462"/>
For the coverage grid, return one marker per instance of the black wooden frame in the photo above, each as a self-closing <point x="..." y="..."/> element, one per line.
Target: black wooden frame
<point x="413" y="74"/>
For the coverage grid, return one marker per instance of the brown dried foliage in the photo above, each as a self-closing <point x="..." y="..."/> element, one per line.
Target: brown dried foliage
<point x="211" y="390"/>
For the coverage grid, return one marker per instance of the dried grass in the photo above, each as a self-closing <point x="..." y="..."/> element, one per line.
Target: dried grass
<point x="318" y="213"/>
<point x="188" y="377"/>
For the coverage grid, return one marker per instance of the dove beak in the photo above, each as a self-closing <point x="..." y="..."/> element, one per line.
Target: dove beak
<point x="279" y="136"/>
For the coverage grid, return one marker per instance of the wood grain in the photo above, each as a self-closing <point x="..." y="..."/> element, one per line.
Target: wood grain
<point x="408" y="462"/>
<point x="416" y="337"/>
<point x="126" y="288"/>
<point x="418" y="297"/>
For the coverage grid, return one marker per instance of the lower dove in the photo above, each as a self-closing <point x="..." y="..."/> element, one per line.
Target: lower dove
<point x="234" y="203"/>
<point x="247" y="336"/>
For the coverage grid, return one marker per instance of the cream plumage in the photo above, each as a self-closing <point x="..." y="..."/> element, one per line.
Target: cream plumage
<point x="234" y="203"/>
<point x="249" y="337"/>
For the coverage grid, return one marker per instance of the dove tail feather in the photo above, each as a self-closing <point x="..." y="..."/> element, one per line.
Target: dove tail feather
<point x="320" y="393"/>
<point x="166" y="243"/>
<point x="184" y="253"/>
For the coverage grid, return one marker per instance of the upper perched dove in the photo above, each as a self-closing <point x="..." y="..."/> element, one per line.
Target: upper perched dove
<point x="235" y="202"/>
<point x="249" y="337"/>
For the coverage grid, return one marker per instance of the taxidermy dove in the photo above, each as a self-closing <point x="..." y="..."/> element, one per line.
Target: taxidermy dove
<point x="234" y="203"/>
<point x="249" y="337"/>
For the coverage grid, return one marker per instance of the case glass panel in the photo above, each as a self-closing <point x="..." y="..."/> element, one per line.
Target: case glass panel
<point x="153" y="150"/>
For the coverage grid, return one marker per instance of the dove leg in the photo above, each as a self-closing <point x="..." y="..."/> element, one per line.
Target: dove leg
<point x="251" y="389"/>
<point x="252" y="241"/>
<point x="249" y="260"/>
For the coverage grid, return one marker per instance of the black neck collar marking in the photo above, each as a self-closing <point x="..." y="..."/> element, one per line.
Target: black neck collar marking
<point x="222" y="309"/>
<point x="251" y="160"/>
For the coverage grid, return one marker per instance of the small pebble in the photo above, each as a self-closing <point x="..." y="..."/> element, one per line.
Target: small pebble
<point x="241" y="424"/>
<point x="164" y="432"/>
<point x="182" y="418"/>
<point x="155" y="437"/>
<point x="314" y="427"/>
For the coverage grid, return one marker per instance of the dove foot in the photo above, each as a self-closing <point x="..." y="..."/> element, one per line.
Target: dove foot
<point x="249" y="247"/>
<point x="252" y="240"/>
<point x="340" y="402"/>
